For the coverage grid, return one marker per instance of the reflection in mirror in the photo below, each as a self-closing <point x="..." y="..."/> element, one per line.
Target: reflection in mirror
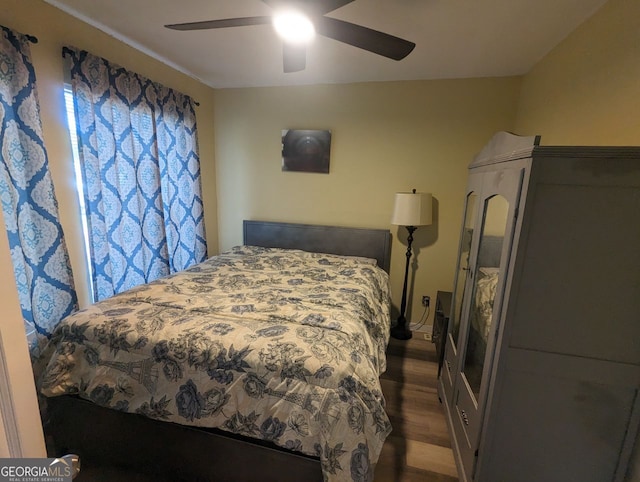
<point x="463" y="264"/>
<point x="484" y="291"/>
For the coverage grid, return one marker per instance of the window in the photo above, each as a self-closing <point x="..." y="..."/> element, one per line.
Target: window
<point x="71" y="118"/>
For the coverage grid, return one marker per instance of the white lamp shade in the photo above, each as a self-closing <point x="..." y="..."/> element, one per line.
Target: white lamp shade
<point x="412" y="209"/>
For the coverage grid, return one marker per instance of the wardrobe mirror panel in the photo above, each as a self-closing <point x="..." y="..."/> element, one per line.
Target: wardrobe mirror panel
<point x="484" y="289"/>
<point x="463" y="264"/>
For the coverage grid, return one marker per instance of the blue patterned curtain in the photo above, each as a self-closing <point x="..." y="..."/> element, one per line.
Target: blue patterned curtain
<point x="139" y="158"/>
<point x="38" y="251"/>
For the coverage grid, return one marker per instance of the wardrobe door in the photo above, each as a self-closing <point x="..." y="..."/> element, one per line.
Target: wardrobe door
<point x="462" y="285"/>
<point x="498" y="205"/>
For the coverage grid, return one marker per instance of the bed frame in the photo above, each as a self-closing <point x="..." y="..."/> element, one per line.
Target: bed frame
<point x="172" y="452"/>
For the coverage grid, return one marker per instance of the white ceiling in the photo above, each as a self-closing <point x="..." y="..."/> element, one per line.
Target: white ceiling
<point x="454" y="38"/>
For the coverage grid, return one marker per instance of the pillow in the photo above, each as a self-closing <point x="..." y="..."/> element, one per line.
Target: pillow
<point x="298" y="253"/>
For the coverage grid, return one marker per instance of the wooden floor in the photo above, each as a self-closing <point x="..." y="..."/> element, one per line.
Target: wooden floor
<point x="418" y="449"/>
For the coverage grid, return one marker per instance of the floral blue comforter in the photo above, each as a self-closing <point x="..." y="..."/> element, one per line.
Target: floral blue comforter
<point x="282" y="345"/>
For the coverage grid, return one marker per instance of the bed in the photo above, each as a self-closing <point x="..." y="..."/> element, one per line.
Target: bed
<point x="261" y="363"/>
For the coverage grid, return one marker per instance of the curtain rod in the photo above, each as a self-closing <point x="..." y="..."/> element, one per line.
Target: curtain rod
<point x="67" y="50"/>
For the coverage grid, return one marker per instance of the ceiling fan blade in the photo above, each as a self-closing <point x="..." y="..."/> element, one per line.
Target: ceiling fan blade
<point x="315" y="7"/>
<point x="326" y="6"/>
<point x="365" y="38"/>
<point x="226" y="22"/>
<point x="294" y="57"/>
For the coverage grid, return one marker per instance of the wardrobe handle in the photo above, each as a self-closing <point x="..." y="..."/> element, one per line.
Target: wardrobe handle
<point x="465" y="419"/>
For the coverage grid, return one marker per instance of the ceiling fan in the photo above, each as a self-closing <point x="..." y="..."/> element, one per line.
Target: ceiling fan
<point x="294" y="54"/>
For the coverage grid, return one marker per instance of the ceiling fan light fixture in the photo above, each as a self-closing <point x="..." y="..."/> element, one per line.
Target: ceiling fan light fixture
<point x="294" y="27"/>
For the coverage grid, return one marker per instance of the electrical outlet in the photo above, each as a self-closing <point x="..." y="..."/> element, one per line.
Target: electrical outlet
<point x="427" y="336"/>
<point x="425" y="301"/>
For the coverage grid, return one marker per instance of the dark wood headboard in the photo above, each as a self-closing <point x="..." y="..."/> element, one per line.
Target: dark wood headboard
<point x="369" y="243"/>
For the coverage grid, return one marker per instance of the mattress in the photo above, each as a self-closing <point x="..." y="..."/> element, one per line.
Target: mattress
<point x="282" y="345"/>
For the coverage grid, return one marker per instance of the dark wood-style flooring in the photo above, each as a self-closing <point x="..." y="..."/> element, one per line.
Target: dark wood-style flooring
<point x="418" y="449"/>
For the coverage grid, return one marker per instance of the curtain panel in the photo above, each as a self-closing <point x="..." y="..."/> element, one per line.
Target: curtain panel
<point x="141" y="173"/>
<point x="38" y="251"/>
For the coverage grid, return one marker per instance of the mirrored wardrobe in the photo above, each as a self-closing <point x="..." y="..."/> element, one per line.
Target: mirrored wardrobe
<point x="542" y="360"/>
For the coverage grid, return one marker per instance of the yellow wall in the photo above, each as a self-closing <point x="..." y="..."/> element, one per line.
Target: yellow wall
<point x="54" y="28"/>
<point x="586" y="91"/>
<point x="17" y="388"/>
<point x="386" y="137"/>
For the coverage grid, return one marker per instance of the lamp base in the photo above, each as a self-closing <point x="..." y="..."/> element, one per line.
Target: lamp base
<point x="401" y="331"/>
